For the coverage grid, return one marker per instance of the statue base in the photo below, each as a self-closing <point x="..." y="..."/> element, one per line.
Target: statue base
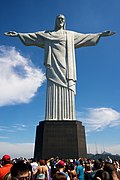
<point x="65" y="139"/>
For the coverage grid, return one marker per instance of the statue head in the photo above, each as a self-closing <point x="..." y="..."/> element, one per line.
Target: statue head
<point x="60" y="22"/>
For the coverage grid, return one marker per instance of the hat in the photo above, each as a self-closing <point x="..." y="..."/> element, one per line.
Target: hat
<point x="61" y="163"/>
<point x="6" y="157"/>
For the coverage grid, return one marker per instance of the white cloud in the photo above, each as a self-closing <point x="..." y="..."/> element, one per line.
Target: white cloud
<point x="96" y="119"/>
<point x="3" y="137"/>
<point x="13" y="128"/>
<point x="6" y="129"/>
<point x="17" y="150"/>
<point x="19" y="127"/>
<point x="19" y="79"/>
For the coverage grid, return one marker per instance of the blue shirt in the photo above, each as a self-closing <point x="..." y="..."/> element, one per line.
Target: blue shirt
<point x="80" y="172"/>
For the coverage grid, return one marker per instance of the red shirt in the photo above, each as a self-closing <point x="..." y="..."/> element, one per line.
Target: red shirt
<point x="4" y="170"/>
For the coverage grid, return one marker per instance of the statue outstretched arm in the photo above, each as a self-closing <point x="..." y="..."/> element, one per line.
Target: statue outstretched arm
<point x="106" y="33"/>
<point x="82" y="40"/>
<point x="28" y="39"/>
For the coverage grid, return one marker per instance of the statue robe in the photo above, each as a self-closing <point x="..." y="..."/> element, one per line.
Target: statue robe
<point x="59" y="60"/>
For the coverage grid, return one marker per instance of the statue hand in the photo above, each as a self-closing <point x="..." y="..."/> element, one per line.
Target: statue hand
<point x="107" y="33"/>
<point x="11" y="33"/>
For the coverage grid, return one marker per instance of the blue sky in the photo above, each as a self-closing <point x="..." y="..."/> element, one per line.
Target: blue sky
<point x="22" y="79"/>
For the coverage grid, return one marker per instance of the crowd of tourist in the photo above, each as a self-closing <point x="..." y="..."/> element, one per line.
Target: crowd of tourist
<point x="58" y="169"/>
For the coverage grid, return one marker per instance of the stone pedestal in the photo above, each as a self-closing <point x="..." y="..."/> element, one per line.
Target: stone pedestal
<point x="65" y="139"/>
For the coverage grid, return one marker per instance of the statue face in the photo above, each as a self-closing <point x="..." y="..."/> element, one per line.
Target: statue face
<point x="60" y="21"/>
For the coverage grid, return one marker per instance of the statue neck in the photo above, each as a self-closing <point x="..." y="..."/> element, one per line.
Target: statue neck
<point x="60" y="31"/>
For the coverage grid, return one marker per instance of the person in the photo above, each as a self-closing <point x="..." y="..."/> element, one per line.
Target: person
<point x="72" y="172"/>
<point x="109" y="167"/>
<point x="20" y="171"/>
<point x="6" y="166"/>
<point x="102" y="175"/>
<point x="34" y="164"/>
<point x="79" y="170"/>
<point x="87" y="172"/>
<point x="59" y="176"/>
<point x="59" y="59"/>
<point x="41" y="172"/>
<point x="61" y="165"/>
<point x="96" y="167"/>
<point x="117" y="168"/>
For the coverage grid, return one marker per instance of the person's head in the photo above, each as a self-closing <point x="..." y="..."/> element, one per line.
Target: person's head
<point x="87" y="167"/>
<point x="97" y="165"/>
<point x="116" y="164"/>
<point x="6" y="159"/>
<point x="109" y="167"/>
<point x="60" y="22"/>
<point x="81" y="162"/>
<point x="42" y="162"/>
<point x="61" y="164"/>
<point x="72" y="166"/>
<point x="20" y="171"/>
<point x="103" y="175"/>
<point x="59" y="176"/>
<point x="77" y="162"/>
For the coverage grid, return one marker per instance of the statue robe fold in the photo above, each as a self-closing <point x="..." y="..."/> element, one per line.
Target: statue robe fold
<point x="59" y="60"/>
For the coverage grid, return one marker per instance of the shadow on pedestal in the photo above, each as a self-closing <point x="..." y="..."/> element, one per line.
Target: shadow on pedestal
<point x="65" y="139"/>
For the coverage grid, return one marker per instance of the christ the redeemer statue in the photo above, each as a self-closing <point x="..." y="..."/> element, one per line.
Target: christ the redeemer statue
<point x="59" y="59"/>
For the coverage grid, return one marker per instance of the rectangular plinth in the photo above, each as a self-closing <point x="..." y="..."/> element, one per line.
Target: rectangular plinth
<point x="65" y="139"/>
